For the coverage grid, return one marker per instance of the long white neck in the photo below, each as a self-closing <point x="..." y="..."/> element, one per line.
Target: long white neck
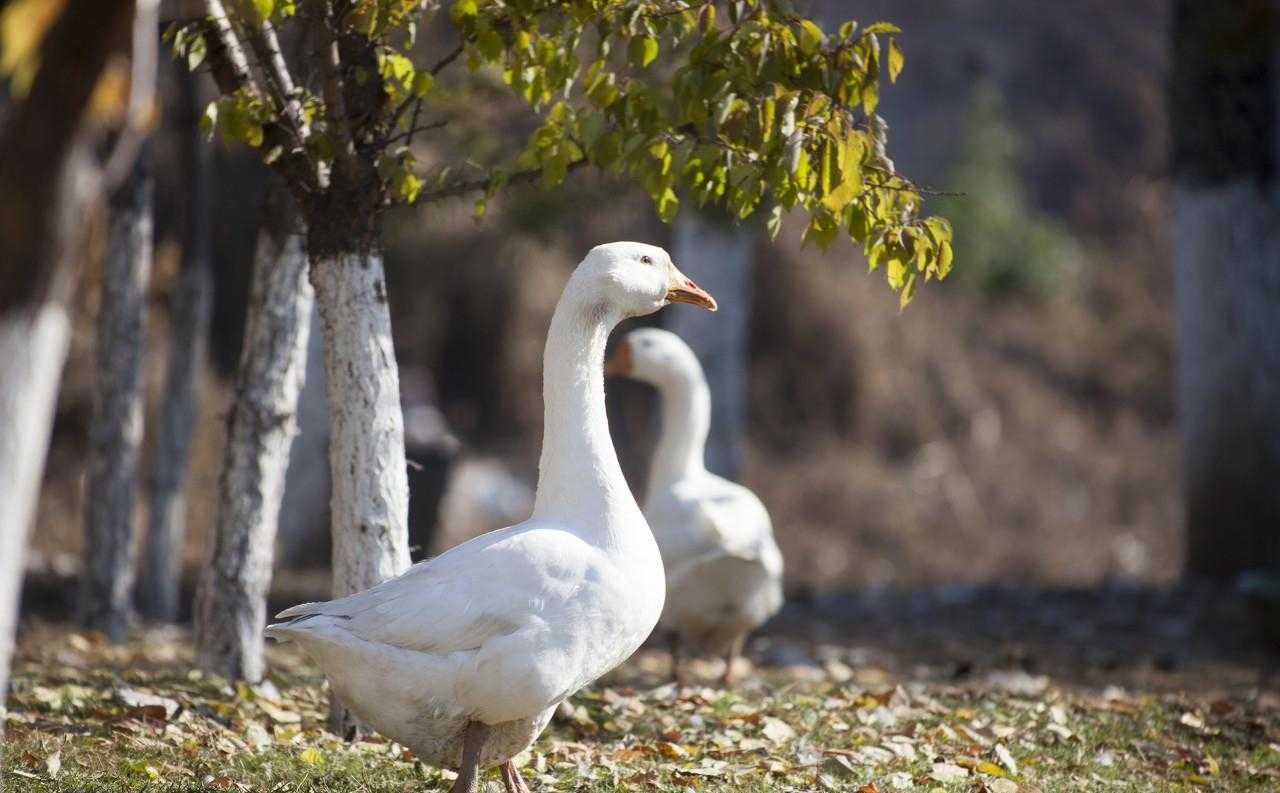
<point x="686" y="420"/>
<point x="579" y="479"/>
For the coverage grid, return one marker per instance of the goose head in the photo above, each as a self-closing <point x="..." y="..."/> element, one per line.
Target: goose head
<point x="654" y="356"/>
<point x="638" y="279"/>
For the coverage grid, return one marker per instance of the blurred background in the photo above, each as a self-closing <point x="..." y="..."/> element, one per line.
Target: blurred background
<point x="1012" y="434"/>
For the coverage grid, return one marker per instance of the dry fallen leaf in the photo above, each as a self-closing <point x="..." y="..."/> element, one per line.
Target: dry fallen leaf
<point x="777" y="730"/>
<point x="1006" y="758"/>
<point x="948" y="772"/>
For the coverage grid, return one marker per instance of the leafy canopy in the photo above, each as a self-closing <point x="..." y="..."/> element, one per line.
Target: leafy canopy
<point x="745" y="104"/>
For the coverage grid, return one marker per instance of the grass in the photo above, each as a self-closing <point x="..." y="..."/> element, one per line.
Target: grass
<point x="85" y="718"/>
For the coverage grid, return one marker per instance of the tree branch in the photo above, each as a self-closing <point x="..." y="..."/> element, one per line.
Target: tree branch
<point x="462" y="188"/>
<point x="142" y="94"/>
<point x="415" y="130"/>
<point x="448" y="59"/>
<point x="344" y="155"/>
<point x="235" y="57"/>
<point x="271" y="60"/>
<point x="230" y="70"/>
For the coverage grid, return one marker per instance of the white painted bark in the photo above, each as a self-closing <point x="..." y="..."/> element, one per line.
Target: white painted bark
<point x="33" y="346"/>
<point x="230" y="610"/>
<point x="370" y="500"/>
<point x="304" y="513"/>
<point x="115" y="435"/>
<point x="189" y="310"/>
<point x="719" y="257"/>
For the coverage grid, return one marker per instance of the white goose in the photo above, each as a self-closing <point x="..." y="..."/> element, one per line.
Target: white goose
<point x="464" y="657"/>
<point x="724" y="570"/>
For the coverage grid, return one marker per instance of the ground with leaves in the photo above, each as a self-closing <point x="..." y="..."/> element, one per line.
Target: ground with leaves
<point x="87" y="717"/>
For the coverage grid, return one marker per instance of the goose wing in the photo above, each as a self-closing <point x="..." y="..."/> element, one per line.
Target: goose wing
<point x="488" y="587"/>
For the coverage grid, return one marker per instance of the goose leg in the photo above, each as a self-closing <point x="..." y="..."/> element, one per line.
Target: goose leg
<point x="677" y="673"/>
<point x="472" y="742"/>
<point x="512" y="780"/>
<point x="735" y="650"/>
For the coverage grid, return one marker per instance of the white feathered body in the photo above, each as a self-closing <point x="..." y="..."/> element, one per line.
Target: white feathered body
<point x="501" y="629"/>
<point x="724" y="569"/>
<point x="419" y="655"/>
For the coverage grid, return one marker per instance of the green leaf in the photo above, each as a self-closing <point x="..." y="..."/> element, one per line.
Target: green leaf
<point x="881" y="27"/>
<point x="870" y="96"/>
<point x="944" y="259"/>
<point x="264" y="8"/>
<point x="642" y="50"/>
<point x="668" y="205"/>
<point x="895" y="60"/>
<point x="896" y="271"/>
<point x="773" y="224"/>
<point x="312" y="756"/>
<point x="904" y="297"/>
<point x="422" y="83"/>
<point x="768" y="110"/>
<point x="195" y="52"/>
<point x="463" y="10"/>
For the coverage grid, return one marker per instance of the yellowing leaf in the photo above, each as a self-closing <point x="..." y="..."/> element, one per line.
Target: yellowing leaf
<point x="312" y="756"/>
<point x="986" y="766"/>
<point x="897" y="274"/>
<point x="642" y="50"/>
<point x="811" y="36"/>
<point x="895" y="60"/>
<point x="944" y="259"/>
<point x="840" y="197"/>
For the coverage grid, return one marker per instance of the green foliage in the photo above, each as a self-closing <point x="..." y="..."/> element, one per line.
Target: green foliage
<point x="1009" y="248"/>
<point x="748" y="106"/>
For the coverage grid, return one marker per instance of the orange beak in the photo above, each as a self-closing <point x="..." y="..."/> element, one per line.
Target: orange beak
<point x="684" y="290"/>
<point x="619" y="363"/>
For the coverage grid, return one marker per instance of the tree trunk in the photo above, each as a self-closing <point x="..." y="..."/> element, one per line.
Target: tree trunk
<point x="1227" y="263"/>
<point x="189" y="311"/>
<point x="115" y="436"/>
<point x="45" y="191"/>
<point x="304" y="513"/>
<point x="33" y="345"/>
<point x="719" y="256"/>
<point x="370" y="500"/>
<point x="230" y="610"/>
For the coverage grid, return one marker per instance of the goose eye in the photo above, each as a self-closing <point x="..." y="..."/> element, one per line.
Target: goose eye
<point x="646" y="260"/>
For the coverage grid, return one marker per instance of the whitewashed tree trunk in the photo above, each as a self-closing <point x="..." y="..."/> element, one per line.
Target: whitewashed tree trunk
<point x="159" y="586"/>
<point x="47" y="185"/>
<point x="33" y="346"/>
<point x="370" y="501"/>
<point x="304" y="513"/>
<point x="1226" y="136"/>
<point x="115" y="435"/>
<point x="719" y="256"/>
<point x="230" y="609"/>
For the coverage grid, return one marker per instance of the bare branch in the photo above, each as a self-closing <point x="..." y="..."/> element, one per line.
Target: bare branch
<point x="140" y="117"/>
<point x="413" y="130"/>
<point x="448" y="59"/>
<point x="271" y="60"/>
<point x="236" y="58"/>
<point x="344" y="154"/>
<point x="231" y="71"/>
<point x="462" y="188"/>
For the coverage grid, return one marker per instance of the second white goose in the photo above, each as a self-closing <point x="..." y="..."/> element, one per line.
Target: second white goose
<point x="724" y="570"/>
